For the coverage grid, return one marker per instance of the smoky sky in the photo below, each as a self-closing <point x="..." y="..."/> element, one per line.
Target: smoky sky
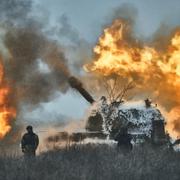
<point x="67" y="36"/>
<point x="26" y="40"/>
<point x="26" y="43"/>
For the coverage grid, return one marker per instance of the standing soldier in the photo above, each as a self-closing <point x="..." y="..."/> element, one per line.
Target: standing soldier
<point x="124" y="140"/>
<point x="29" y="142"/>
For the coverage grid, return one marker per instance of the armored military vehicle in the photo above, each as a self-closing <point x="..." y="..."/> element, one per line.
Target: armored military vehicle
<point x="143" y="119"/>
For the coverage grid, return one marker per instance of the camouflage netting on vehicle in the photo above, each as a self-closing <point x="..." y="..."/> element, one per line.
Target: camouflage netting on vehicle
<point x="135" y="115"/>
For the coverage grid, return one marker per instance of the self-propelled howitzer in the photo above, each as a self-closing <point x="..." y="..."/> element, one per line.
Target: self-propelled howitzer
<point x="141" y="119"/>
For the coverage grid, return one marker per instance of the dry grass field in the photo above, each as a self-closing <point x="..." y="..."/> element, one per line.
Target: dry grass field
<point x="94" y="162"/>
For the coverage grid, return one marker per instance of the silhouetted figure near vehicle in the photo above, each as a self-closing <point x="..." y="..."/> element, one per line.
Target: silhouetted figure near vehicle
<point x="29" y="143"/>
<point x="148" y="103"/>
<point x="124" y="140"/>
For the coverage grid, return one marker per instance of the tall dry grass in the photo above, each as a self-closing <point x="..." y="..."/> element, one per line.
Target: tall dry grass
<point x="94" y="162"/>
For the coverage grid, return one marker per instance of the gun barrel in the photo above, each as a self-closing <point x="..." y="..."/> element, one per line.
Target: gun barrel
<point x="76" y="84"/>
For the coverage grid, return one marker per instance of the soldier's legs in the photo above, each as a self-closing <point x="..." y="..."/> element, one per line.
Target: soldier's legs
<point x="124" y="148"/>
<point x="29" y="155"/>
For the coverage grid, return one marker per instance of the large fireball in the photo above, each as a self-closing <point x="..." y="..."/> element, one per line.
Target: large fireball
<point x="156" y="73"/>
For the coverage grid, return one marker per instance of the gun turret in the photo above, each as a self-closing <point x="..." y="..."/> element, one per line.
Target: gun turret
<point x="76" y="84"/>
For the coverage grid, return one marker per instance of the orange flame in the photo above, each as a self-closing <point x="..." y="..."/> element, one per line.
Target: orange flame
<point x="7" y="112"/>
<point x="155" y="73"/>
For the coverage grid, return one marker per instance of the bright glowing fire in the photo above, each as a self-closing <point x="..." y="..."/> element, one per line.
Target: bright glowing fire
<point x="156" y="73"/>
<point x="7" y="112"/>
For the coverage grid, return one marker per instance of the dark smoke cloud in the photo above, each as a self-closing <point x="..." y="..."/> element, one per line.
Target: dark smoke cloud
<point x="26" y="44"/>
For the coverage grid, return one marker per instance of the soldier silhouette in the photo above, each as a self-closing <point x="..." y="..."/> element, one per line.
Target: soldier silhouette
<point x="29" y="142"/>
<point x="124" y="140"/>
